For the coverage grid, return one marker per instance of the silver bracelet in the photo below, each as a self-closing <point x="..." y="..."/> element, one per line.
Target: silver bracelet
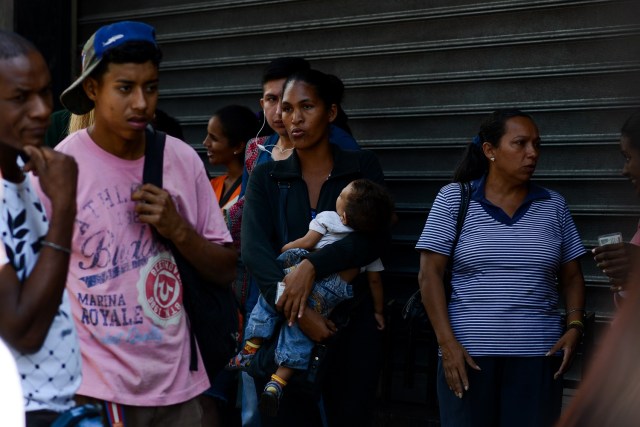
<point x="55" y="246"/>
<point x="573" y="310"/>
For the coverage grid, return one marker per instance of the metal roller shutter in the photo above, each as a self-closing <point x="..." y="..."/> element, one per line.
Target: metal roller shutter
<point x="419" y="77"/>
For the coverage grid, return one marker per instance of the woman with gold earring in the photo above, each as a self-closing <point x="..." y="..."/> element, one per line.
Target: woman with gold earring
<point x="503" y="346"/>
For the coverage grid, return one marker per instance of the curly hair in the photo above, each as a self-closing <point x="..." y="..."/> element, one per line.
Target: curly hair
<point x="369" y="206"/>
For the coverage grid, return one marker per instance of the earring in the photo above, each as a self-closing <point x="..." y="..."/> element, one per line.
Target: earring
<point x="493" y="159"/>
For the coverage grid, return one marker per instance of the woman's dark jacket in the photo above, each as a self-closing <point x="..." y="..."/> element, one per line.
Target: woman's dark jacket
<point x="261" y="223"/>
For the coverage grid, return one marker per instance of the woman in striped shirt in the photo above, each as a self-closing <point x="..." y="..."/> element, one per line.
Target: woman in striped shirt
<point x="517" y="252"/>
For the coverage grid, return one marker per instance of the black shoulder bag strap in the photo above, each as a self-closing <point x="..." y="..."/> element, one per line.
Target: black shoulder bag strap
<point x="465" y="197"/>
<point x="284" y="193"/>
<point x="413" y="308"/>
<point x="226" y="196"/>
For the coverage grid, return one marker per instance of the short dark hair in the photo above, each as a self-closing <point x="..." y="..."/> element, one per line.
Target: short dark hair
<point x="282" y="68"/>
<point x="369" y="206"/>
<point x="13" y="45"/>
<point x="137" y="52"/>
<point x="631" y="129"/>
<point x="239" y="123"/>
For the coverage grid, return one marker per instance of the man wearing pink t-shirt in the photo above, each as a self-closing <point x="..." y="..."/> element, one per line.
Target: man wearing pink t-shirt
<point x="126" y="293"/>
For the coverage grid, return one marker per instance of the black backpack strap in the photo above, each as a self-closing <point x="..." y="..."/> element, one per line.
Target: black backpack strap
<point x="284" y="192"/>
<point x="153" y="157"/>
<point x="152" y="174"/>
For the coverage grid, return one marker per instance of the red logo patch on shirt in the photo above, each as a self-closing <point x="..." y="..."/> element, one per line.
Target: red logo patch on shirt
<point x="160" y="290"/>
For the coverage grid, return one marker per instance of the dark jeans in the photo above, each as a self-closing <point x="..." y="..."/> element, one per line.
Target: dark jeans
<point x="508" y="391"/>
<point x="349" y="388"/>
<point x="40" y="418"/>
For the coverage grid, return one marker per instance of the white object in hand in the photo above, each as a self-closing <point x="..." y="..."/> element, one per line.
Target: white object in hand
<point x="279" y="291"/>
<point x="609" y="239"/>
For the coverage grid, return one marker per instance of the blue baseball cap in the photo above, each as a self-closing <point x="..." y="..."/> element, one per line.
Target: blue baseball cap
<point x="106" y="38"/>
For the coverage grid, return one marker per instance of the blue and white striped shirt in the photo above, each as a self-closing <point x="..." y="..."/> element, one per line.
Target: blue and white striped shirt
<point x="505" y="270"/>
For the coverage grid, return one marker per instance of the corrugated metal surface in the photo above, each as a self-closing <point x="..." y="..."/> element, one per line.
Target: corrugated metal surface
<point x="419" y="77"/>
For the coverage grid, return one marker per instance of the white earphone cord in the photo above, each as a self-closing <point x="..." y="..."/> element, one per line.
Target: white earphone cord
<point x="262" y="147"/>
<point x="264" y="121"/>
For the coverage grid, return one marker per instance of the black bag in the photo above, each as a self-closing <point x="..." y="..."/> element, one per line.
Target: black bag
<point x="212" y="311"/>
<point x="413" y="309"/>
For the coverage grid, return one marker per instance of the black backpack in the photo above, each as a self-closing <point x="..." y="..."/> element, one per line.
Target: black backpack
<point x="212" y="311"/>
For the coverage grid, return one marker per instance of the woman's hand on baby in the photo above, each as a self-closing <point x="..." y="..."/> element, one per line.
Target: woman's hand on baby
<point x="299" y="284"/>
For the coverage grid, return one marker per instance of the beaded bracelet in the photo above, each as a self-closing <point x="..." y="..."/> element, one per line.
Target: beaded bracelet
<point x="576" y="324"/>
<point x="55" y="246"/>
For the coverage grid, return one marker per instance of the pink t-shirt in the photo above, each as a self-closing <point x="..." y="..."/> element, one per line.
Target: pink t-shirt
<point x="636" y="237"/>
<point x="125" y="290"/>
